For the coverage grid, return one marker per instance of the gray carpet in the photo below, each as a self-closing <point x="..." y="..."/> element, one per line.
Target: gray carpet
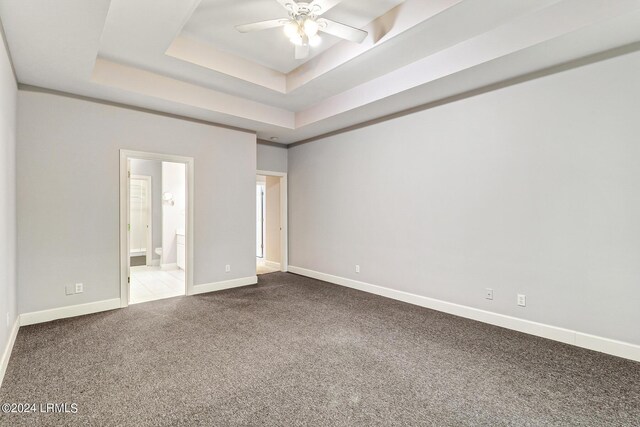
<point x="297" y="351"/>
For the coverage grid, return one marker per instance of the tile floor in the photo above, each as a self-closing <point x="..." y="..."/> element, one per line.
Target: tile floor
<point x="152" y="283"/>
<point x="263" y="269"/>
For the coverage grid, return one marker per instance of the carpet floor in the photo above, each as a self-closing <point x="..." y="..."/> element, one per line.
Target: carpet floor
<point x="296" y="351"/>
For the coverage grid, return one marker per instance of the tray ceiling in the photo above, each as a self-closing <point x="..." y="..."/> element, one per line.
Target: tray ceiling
<point x="185" y="57"/>
<point x="213" y="23"/>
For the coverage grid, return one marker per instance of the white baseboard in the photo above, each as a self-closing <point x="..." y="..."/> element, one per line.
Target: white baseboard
<point x="6" y="354"/>
<point x="272" y="264"/>
<point x="69" y="311"/>
<point x="580" y="339"/>
<point x="609" y="346"/>
<point x="172" y="266"/>
<point x="227" y="284"/>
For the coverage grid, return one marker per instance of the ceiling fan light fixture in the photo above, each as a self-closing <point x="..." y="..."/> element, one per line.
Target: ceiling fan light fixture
<point x="310" y="27"/>
<point x="304" y="23"/>
<point x="297" y="39"/>
<point x="291" y="29"/>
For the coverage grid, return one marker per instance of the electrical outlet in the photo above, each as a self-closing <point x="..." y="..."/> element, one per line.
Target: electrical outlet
<point x="227" y="268"/>
<point x="357" y="268"/>
<point x="522" y="300"/>
<point x="70" y="289"/>
<point x="79" y="288"/>
<point x="489" y="293"/>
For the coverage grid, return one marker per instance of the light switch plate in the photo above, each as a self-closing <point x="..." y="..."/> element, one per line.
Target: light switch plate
<point x="489" y="293"/>
<point x="522" y="300"/>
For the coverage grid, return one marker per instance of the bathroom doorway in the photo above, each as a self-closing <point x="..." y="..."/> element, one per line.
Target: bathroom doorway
<point x="271" y="222"/>
<point x="156" y="232"/>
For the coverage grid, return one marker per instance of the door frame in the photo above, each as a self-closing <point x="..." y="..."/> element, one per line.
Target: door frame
<point x="125" y="156"/>
<point x="149" y="254"/>
<point x="284" y="221"/>
<point x="263" y="231"/>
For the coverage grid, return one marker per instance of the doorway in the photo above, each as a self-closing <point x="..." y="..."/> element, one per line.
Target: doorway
<point x="271" y="222"/>
<point x="260" y="216"/>
<point x="156" y="232"/>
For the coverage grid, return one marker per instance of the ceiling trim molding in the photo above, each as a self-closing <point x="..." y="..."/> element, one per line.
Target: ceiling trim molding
<point x="190" y="50"/>
<point x="38" y="89"/>
<point x="590" y="59"/>
<point x="148" y="83"/>
<point x="532" y="29"/>
<point x="272" y="143"/>
<point x="6" y="46"/>
<point x="601" y="56"/>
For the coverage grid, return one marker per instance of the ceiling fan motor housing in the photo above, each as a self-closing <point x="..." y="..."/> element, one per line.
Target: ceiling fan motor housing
<point x="303" y="23"/>
<point x="305" y="9"/>
<point x="303" y="16"/>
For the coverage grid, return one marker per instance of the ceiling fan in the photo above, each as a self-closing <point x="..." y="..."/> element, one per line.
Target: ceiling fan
<point x="304" y="23"/>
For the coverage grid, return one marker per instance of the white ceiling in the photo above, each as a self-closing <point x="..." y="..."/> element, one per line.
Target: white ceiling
<point x="165" y="55"/>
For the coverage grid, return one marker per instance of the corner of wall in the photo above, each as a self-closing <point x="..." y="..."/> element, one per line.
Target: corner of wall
<point x="8" y="215"/>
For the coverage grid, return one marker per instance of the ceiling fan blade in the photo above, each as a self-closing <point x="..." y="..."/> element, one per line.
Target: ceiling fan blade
<point x="263" y="25"/>
<point x="289" y="5"/>
<point x="341" y="30"/>
<point x="318" y="7"/>
<point x="302" y="51"/>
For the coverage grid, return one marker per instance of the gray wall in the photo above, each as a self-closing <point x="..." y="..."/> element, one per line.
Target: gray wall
<point x="152" y="168"/>
<point x="531" y="189"/>
<point x="271" y="158"/>
<point x="8" y="91"/>
<point x="68" y="195"/>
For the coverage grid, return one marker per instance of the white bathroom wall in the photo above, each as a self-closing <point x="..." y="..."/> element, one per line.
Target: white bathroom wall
<point x="139" y="212"/>
<point x="173" y="214"/>
<point x="152" y="168"/>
